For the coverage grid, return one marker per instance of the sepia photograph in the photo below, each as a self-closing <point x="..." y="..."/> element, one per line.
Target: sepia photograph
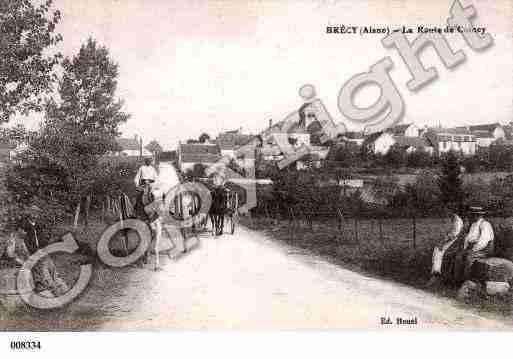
<point x="244" y="165"/>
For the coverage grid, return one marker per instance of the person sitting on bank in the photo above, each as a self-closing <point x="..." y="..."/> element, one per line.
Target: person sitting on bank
<point x="13" y="248"/>
<point x="46" y="277"/>
<point x="479" y="243"/>
<point x="441" y="249"/>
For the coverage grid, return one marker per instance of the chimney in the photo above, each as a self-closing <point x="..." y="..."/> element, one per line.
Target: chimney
<point x="270" y="122"/>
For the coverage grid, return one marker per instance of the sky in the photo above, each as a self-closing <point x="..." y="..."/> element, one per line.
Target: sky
<point x="188" y="67"/>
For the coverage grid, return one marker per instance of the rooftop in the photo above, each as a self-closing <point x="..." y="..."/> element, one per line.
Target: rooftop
<point x="232" y="139"/>
<point x="489" y="127"/>
<point x="399" y="129"/>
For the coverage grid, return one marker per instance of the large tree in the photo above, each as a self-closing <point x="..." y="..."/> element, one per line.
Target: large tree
<point x="80" y="128"/>
<point x="26" y="64"/>
<point x="154" y="147"/>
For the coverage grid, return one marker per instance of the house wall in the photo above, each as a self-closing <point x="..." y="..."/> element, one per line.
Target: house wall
<point x="230" y="153"/>
<point x="485" y="142"/>
<point x="467" y="148"/>
<point x="412" y="131"/>
<point x="383" y="143"/>
<point x="499" y="133"/>
<point x="130" y="153"/>
<point x="302" y="138"/>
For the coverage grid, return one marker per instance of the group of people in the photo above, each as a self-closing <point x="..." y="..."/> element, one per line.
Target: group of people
<point x="454" y="256"/>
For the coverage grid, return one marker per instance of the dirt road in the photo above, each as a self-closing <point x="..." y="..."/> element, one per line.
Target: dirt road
<point x="248" y="281"/>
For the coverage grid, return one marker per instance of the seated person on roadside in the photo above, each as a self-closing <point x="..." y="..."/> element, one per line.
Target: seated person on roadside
<point x="45" y="273"/>
<point x="439" y="251"/>
<point x="13" y="248"/>
<point x="479" y="243"/>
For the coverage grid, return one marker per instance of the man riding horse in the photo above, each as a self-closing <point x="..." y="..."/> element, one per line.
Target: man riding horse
<point x="152" y="189"/>
<point x="146" y="175"/>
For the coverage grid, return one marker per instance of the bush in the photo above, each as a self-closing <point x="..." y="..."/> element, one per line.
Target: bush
<point x="424" y="196"/>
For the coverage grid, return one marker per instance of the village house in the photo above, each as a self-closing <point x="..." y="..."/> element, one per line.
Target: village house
<point x="412" y="144"/>
<point x="457" y="139"/>
<point x="315" y="157"/>
<point x="488" y="133"/>
<point x="229" y="141"/>
<point x="354" y="137"/>
<point x="299" y="136"/>
<point x="131" y="147"/>
<point x="271" y="152"/>
<point x="379" y="142"/>
<point x="406" y="130"/>
<point x="190" y="154"/>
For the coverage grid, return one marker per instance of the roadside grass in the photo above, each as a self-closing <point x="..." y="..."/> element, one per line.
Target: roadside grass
<point x="106" y="285"/>
<point x="387" y="252"/>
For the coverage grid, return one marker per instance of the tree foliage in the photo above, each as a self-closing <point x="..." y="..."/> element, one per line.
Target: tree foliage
<point x="204" y="137"/>
<point x="450" y="182"/>
<point x="154" y="147"/>
<point x="26" y="64"/>
<point x="62" y="164"/>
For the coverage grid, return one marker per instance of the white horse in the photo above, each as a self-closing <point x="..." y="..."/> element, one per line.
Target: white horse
<point x="167" y="179"/>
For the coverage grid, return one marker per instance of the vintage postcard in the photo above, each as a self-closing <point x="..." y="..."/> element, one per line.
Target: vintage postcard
<point x="255" y="165"/>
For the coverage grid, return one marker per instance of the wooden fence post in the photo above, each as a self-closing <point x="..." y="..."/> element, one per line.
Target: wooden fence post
<point x="291" y="222"/>
<point x="102" y="219"/>
<point x="356" y="229"/>
<point x="381" y="230"/>
<point x="267" y="213"/>
<point x="414" y="233"/>
<point x="340" y="220"/>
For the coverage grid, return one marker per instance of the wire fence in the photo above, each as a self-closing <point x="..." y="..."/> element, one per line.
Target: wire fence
<point x="414" y="232"/>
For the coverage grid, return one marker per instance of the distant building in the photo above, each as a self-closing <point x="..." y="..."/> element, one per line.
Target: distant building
<point x="412" y="144"/>
<point x="354" y="137"/>
<point x="457" y="139"/>
<point x="379" y="142"/>
<point x="405" y="130"/>
<point x="197" y="153"/>
<point x="488" y="134"/>
<point x="300" y="135"/>
<point x="229" y="141"/>
<point x="271" y="152"/>
<point x="131" y="147"/>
